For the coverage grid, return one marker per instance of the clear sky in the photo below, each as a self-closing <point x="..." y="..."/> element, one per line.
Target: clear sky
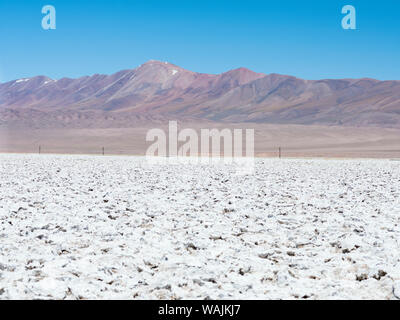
<point x="303" y="38"/>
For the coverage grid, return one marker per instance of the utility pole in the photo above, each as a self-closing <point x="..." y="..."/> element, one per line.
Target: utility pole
<point x="280" y="152"/>
<point x="40" y="149"/>
<point x="103" y="151"/>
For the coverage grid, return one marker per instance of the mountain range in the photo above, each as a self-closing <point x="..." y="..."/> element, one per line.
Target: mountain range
<point x="159" y="91"/>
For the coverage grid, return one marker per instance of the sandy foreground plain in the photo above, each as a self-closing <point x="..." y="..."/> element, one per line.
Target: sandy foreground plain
<point x="94" y="227"/>
<point x="294" y="140"/>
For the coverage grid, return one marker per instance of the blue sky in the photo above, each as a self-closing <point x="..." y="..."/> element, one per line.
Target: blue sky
<point x="300" y="38"/>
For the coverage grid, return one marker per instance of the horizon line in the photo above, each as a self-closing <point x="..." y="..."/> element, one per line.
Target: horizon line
<point x="210" y="74"/>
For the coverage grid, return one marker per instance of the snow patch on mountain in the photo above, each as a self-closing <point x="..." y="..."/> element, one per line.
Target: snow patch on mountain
<point x="22" y="80"/>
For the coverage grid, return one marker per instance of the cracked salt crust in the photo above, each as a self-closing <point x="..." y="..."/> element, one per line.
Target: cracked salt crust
<point x="88" y="227"/>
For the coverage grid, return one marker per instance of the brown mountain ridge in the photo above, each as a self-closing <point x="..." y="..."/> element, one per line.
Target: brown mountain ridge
<point x="157" y="91"/>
